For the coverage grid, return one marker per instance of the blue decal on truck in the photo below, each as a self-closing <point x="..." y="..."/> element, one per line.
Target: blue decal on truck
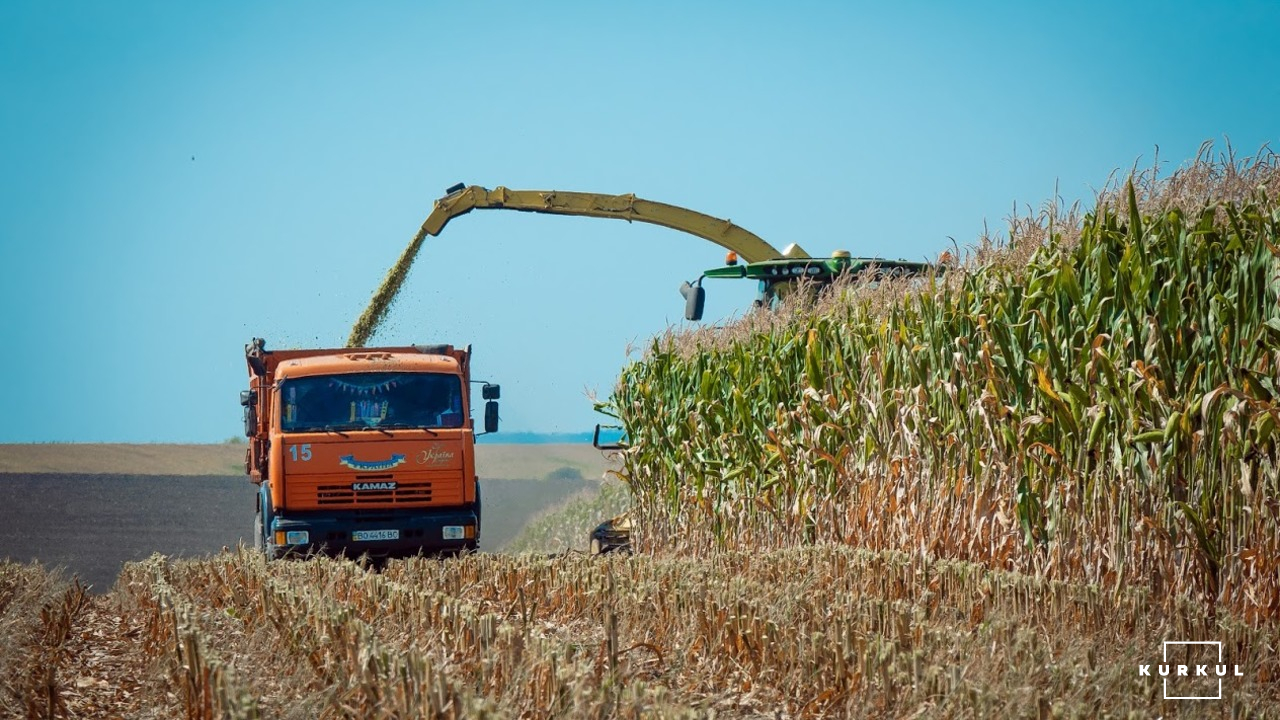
<point x="367" y="465"/>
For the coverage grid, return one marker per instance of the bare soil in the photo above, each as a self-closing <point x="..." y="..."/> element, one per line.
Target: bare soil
<point x="91" y="525"/>
<point x="101" y="458"/>
<point x="505" y="462"/>
<point x="91" y="508"/>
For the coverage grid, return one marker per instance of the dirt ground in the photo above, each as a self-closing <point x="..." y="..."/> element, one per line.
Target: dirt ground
<point x="496" y="461"/>
<point x="92" y="524"/>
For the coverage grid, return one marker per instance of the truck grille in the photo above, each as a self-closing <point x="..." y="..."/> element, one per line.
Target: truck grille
<point x="413" y="492"/>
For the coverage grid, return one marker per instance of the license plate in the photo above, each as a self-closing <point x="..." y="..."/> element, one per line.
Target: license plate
<point x="362" y="535"/>
<point x="453" y="532"/>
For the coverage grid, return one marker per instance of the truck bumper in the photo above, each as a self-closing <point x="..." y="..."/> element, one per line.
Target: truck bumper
<point x="416" y="531"/>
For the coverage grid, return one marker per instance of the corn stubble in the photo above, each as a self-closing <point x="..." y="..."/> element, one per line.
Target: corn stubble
<point x="821" y="631"/>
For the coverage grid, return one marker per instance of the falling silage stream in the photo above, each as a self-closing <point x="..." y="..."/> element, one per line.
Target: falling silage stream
<point x="371" y="319"/>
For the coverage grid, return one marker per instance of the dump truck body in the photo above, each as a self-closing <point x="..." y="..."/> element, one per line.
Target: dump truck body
<point x="363" y="451"/>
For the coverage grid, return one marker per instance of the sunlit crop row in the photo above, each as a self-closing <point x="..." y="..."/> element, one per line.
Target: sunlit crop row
<point x="823" y="631"/>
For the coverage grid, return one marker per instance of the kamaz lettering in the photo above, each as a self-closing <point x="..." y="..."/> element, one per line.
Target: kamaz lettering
<point x="362" y="486"/>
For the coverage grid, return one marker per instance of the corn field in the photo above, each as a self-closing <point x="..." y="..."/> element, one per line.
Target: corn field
<point x="1096" y="402"/>
<point x="995" y="492"/>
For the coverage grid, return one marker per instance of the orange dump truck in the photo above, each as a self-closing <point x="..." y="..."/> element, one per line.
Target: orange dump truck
<point x="364" y="450"/>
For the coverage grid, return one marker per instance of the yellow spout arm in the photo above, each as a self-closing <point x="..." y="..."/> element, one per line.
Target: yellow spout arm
<point x="462" y="200"/>
<point x="749" y="246"/>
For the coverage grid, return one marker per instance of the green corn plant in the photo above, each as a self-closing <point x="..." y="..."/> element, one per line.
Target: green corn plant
<point x="1101" y="392"/>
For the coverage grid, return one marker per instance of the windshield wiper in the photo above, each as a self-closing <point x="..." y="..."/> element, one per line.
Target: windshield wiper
<point x="405" y="426"/>
<point x="318" y="428"/>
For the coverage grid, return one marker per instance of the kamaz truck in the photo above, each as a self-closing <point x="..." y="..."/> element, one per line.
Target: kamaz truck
<point x="365" y="451"/>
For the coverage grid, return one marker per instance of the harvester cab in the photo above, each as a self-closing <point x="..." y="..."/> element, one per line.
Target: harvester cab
<point x="779" y="277"/>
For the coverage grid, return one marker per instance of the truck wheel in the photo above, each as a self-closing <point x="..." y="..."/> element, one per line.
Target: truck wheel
<point x="261" y="526"/>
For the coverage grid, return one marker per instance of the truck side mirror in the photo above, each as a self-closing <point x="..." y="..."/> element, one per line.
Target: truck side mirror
<point x="694" y="298"/>
<point x="249" y="399"/>
<point x="612" y="430"/>
<point x="491" y="392"/>
<point x="491" y="417"/>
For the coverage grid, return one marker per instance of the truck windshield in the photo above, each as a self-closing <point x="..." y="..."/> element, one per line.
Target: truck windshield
<point x="371" y="400"/>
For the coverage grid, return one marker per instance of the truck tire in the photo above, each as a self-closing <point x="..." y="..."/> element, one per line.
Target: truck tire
<point x="476" y="544"/>
<point x="259" y="542"/>
<point x="260" y="524"/>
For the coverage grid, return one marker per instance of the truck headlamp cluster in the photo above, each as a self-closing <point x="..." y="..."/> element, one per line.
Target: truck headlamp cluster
<point x="292" y="537"/>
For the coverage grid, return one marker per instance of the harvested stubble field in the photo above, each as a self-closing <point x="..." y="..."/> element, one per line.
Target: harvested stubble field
<point x="801" y="632"/>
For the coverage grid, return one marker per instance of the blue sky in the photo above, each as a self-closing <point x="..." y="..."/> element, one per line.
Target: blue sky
<point x="176" y="179"/>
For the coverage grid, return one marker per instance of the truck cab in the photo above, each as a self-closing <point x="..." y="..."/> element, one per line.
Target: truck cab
<point x="363" y="450"/>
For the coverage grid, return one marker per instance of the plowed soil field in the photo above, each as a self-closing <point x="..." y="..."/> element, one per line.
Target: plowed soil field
<point x="92" y="524"/>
